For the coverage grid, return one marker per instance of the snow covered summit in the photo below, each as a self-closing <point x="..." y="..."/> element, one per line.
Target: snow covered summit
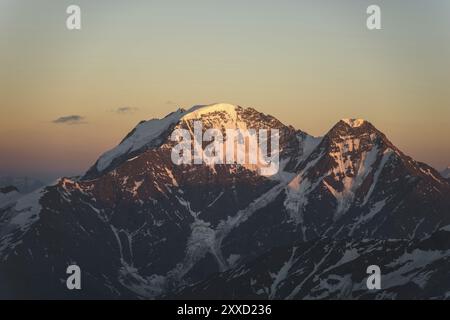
<point x="197" y="111"/>
<point x="354" y="123"/>
<point x="148" y="133"/>
<point x="154" y="133"/>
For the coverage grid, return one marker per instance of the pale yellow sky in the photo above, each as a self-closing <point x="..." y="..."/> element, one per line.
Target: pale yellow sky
<point x="308" y="63"/>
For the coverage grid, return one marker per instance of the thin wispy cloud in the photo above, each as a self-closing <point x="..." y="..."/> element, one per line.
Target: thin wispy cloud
<point x="125" y="110"/>
<point x="72" y="119"/>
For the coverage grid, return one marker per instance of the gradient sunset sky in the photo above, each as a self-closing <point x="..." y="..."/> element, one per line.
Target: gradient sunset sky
<point x="308" y="63"/>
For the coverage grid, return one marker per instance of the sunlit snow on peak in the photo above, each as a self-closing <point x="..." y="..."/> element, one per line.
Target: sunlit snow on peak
<point x="354" y="123"/>
<point x="148" y="131"/>
<point x="197" y="111"/>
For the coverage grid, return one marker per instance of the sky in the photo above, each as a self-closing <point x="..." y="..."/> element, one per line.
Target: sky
<point x="68" y="96"/>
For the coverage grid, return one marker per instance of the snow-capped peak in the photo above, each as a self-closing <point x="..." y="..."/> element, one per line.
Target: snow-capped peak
<point x="354" y="123"/>
<point x="149" y="132"/>
<point x="197" y="111"/>
<point x="145" y="133"/>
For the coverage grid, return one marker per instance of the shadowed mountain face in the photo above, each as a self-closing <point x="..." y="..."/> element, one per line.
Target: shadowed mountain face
<point x="140" y="226"/>
<point x="336" y="269"/>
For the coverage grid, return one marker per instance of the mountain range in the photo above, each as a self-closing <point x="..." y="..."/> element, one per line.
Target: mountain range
<point x="141" y="227"/>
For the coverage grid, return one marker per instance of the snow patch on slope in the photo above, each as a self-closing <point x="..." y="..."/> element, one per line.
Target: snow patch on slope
<point x="354" y="123"/>
<point x="297" y="192"/>
<point x="374" y="210"/>
<point x="144" y="134"/>
<point x="27" y="209"/>
<point x="281" y="275"/>
<point x="386" y="156"/>
<point x="351" y="183"/>
<point x="19" y="220"/>
<point x="197" y="112"/>
<point x="412" y="268"/>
